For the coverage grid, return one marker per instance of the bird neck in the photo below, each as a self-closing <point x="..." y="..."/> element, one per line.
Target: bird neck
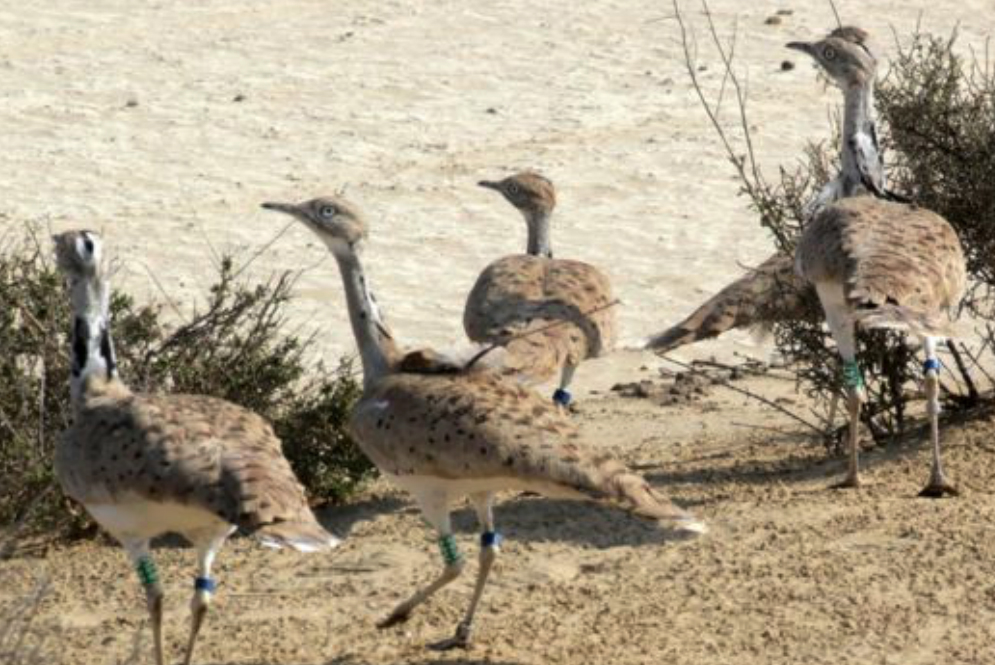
<point x="538" y="244"/>
<point x="92" y="349"/>
<point x="859" y="130"/>
<point x="373" y="338"/>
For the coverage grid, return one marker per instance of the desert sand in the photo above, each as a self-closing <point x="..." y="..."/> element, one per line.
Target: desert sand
<point x="164" y="125"/>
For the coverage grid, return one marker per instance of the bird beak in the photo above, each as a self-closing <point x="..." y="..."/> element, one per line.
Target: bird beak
<point x="805" y="47"/>
<point x="288" y="208"/>
<point x="490" y="184"/>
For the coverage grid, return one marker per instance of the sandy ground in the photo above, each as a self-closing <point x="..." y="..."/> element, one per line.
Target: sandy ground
<point x="165" y="124"/>
<point x="791" y="572"/>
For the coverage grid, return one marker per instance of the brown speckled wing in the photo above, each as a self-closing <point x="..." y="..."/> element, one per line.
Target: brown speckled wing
<point x="900" y="264"/>
<point x="479" y="426"/>
<point x="180" y="448"/>
<point x="767" y="294"/>
<point x="471" y="425"/>
<point x="518" y="294"/>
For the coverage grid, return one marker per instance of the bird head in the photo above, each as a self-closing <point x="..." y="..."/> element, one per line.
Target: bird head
<point x="843" y="55"/>
<point x="529" y="192"/>
<point x="78" y="254"/>
<point x="332" y="219"/>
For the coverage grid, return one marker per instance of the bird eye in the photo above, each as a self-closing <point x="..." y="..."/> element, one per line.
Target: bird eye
<point x="328" y="212"/>
<point x="829" y="52"/>
<point x="513" y="189"/>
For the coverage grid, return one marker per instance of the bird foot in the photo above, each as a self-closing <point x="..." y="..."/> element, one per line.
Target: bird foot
<point x="938" y="489"/>
<point x="460" y="639"/>
<point x="851" y="482"/>
<point x="399" y="615"/>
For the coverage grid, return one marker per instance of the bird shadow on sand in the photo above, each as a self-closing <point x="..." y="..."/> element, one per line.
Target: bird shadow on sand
<point x="538" y="519"/>
<point x="806" y="465"/>
<point x="340" y="519"/>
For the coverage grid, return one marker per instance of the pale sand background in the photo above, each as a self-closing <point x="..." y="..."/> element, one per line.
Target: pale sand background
<point x="391" y="101"/>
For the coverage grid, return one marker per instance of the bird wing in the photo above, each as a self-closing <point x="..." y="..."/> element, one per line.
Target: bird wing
<point x="891" y="257"/>
<point x="479" y="427"/>
<point x="546" y="311"/>
<point x="186" y="449"/>
<point x="769" y="293"/>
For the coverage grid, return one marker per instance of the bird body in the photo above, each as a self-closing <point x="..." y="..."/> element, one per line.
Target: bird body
<point x="154" y="464"/>
<point x="145" y="465"/>
<point x="900" y="266"/>
<point x="550" y="314"/>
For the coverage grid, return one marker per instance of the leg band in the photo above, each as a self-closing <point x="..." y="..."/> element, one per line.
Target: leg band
<point x="449" y="549"/>
<point x="932" y="364"/>
<point x="561" y="397"/>
<point x="147" y="571"/>
<point x="852" y="375"/>
<point x="204" y="584"/>
<point x="490" y="539"/>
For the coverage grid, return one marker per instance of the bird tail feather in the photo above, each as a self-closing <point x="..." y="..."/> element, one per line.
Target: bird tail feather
<point x="298" y="535"/>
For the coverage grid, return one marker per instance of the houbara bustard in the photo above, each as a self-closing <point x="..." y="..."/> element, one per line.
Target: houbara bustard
<point x="877" y="263"/>
<point x="773" y="291"/>
<point x="549" y="314"/>
<point x="145" y="465"/>
<point x="442" y="431"/>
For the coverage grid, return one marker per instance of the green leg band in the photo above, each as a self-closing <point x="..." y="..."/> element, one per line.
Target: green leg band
<point x="449" y="549"/>
<point x="147" y="571"/>
<point x="852" y="375"/>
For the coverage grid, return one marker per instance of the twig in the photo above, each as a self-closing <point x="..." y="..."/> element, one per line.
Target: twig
<point x="266" y="246"/>
<point x="748" y="393"/>
<point x="836" y="15"/>
<point x="727" y="59"/>
<point x="155" y="280"/>
<point x="973" y="393"/>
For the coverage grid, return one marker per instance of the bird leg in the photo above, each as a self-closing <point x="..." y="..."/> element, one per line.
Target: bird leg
<point x="203" y="589"/>
<point x="561" y="395"/>
<point x="208" y="542"/>
<point x="489" y="553"/>
<point x="149" y="576"/>
<point x="855" y="396"/>
<point x="453" y="566"/>
<point x="937" y="486"/>
<point x="490" y="540"/>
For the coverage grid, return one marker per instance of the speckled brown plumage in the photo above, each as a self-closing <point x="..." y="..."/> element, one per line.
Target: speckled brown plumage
<point x="767" y="294"/>
<point x="478" y="426"/>
<point x="568" y="302"/>
<point x="571" y="301"/>
<point x="901" y="266"/>
<point x="191" y="450"/>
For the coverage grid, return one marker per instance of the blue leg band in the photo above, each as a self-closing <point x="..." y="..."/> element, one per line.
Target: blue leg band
<point x="147" y="571"/>
<point x="852" y="375"/>
<point x="449" y="549"/>
<point x="490" y="539"/>
<point x="204" y="584"/>
<point x="932" y="364"/>
<point x="561" y="397"/>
